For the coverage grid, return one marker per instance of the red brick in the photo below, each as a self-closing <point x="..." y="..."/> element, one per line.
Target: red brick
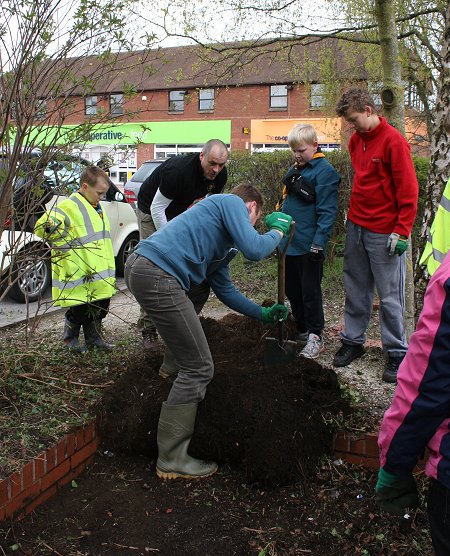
<point x="372" y="444"/>
<point x="371" y="463"/>
<point x="27" y="475"/>
<point x="341" y="443"/>
<point x="40" y="466"/>
<point x="43" y="497"/>
<point x="89" y="433"/>
<point x="61" y="451"/>
<point x="83" y="454"/>
<point x="70" y="445"/>
<point x="55" y="475"/>
<point x="4" y="492"/>
<point x="358" y="446"/>
<point x="50" y="457"/>
<point x="79" y="439"/>
<point x="73" y="474"/>
<point x="2" y="514"/>
<point x="16" y="486"/>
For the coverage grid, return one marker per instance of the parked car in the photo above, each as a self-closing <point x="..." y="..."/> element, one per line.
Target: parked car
<point x="132" y="186"/>
<point x="25" y="258"/>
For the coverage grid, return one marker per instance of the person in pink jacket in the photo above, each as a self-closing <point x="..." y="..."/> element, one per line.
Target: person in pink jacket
<point x="419" y="417"/>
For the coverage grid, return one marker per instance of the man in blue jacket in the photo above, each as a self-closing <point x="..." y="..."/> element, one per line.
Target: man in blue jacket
<point x="192" y="249"/>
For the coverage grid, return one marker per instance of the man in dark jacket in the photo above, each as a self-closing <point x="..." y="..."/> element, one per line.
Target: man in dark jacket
<point x="172" y="188"/>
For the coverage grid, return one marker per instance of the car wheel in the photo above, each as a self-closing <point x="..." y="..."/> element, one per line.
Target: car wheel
<point x="30" y="274"/>
<point x="128" y="246"/>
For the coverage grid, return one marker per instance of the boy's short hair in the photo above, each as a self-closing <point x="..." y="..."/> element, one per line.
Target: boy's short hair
<point x="91" y="174"/>
<point x="302" y="133"/>
<point x="354" y="99"/>
<point x="248" y="193"/>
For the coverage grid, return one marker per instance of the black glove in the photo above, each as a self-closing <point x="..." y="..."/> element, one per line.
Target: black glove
<point x="395" y="494"/>
<point x="316" y="253"/>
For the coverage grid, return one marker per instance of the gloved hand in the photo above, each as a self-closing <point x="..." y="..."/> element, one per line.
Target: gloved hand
<point x="52" y="226"/>
<point x="279" y="221"/>
<point x="316" y="253"/>
<point x="396" y="244"/>
<point x="395" y="494"/>
<point x="274" y="313"/>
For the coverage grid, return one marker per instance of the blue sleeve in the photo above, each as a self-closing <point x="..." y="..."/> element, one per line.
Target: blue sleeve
<point x="228" y="294"/>
<point x="327" y="184"/>
<point x="250" y="243"/>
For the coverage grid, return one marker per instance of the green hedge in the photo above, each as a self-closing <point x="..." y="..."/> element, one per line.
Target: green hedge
<point x="266" y="171"/>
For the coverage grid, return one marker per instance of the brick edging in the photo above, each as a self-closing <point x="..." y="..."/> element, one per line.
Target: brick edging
<point x="358" y="450"/>
<point x="40" y="478"/>
<point x="24" y="491"/>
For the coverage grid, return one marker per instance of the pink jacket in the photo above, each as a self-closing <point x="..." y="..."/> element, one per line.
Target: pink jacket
<point x="420" y="412"/>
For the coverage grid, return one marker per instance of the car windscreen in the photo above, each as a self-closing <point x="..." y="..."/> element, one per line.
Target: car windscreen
<point x="144" y="171"/>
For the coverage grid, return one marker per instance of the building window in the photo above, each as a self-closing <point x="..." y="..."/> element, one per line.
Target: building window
<point x="278" y="97"/>
<point x="116" y="104"/>
<point x="90" y="106"/>
<point x="206" y="99"/>
<point x="412" y="98"/>
<point x="41" y="109"/>
<point x="176" y="101"/>
<point x="317" y="100"/>
<point x="374" y="88"/>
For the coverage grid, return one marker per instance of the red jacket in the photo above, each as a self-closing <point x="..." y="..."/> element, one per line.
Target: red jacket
<point x="385" y="189"/>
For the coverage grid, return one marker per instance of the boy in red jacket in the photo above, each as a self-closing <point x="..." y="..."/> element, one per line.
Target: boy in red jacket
<point x="383" y="205"/>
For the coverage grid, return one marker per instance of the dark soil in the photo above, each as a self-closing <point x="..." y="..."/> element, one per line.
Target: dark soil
<point x="277" y="490"/>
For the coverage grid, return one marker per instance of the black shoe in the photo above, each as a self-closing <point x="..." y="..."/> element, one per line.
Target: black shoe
<point x="346" y="354"/>
<point x="391" y="369"/>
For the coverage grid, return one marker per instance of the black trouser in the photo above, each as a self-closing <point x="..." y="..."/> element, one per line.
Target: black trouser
<point x="439" y="517"/>
<point x="88" y="312"/>
<point x="303" y="279"/>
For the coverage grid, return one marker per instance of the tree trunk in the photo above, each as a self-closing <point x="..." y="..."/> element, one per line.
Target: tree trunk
<point x="439" y="172"/>
<point x="392" y="95"/>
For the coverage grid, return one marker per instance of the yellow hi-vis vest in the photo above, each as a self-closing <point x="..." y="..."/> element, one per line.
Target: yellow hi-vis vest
<point x="83" y="265"/>
<point x="438" y="241"/>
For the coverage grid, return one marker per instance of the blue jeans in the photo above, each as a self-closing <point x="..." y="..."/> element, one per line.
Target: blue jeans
<point x="175" y="317"/>
<point x="439" y="517"/>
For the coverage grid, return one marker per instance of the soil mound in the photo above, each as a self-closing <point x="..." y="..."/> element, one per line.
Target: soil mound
<point x="275" y="423"/>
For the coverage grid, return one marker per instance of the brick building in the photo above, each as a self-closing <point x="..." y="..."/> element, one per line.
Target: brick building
<point x="183" y="96"/>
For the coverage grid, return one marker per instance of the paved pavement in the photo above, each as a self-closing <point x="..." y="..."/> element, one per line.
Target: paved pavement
<point x="12" y="312"/>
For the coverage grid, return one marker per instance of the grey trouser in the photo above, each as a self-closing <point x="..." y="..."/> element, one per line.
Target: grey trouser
<point x="366" y="266"/>
<point x="178" y="324"/>
<point x="146" y="229"/>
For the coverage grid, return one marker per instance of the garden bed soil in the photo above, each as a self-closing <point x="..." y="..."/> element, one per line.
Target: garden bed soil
<point x="278" y="489"/>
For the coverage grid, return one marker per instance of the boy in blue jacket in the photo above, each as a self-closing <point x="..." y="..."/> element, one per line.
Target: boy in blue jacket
<point x="190" y="250"/>
<point x="311" y="198"/>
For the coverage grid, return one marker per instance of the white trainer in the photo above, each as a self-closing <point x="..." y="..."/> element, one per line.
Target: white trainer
<point x="313" y="348"/>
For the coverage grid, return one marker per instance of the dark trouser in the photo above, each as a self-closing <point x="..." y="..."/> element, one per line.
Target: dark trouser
<point x="303" y="279"/>
<point x="439" y="517"/>
<point x="175" y="317"/>
<point x="368" y="266"/>
<point x="88" y="312"/>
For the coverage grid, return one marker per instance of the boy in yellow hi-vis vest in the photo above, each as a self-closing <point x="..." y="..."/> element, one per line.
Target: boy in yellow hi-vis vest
<point x="83" y="266"/>
<point x="438" y="240"/>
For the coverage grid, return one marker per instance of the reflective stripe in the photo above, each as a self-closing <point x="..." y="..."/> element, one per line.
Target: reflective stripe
<point x="438" y="255"/>
<point x="83" y="240"/>
<point x="445" y="203"/>
<point x="95" y="277"/>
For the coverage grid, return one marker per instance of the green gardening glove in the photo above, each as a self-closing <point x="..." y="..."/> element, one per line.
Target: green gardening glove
<point x="394" y="494"/>
<point x="279" y="221"/>
<point x="396" y="244"/>
<point x="274" y="313"/>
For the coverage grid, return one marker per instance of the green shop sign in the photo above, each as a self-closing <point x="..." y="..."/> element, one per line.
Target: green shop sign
<point x="128" y="134"/>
